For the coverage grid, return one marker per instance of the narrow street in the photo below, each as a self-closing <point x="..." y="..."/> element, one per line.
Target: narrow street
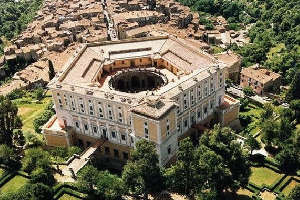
<point x="111" y="29"/>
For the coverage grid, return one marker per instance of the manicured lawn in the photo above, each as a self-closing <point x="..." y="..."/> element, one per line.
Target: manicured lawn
<point x="244" y="194"/>
<point x="29" y="111"/>
<point x="268" y="195"/>
<point x="14" y="184"/>
<point x="68" y="197"/>
<point x="262" y="175"/>
<point x="290" y="187"/>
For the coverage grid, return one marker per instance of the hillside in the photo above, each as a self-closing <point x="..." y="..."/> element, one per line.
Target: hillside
<point x="275" y="34"/>
<point x="14" y="17"/>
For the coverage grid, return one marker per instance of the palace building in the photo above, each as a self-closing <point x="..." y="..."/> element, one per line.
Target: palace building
<point x="114" y="93"/>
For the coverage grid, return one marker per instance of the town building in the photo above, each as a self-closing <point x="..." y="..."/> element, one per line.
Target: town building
<point x="233" y="64"/>
<point x="117" y="92"/>
<point x="259" y="79"/>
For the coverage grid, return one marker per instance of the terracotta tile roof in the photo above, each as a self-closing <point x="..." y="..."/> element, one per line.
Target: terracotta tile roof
<point x="260" y="74"/>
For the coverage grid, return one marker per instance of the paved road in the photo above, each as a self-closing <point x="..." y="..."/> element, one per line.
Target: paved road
<point x="239" y="93"/>
<point x="111" y="29"/>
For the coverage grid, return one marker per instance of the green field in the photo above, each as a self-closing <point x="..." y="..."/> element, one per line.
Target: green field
<point x="244" y="194"/>
<point x="29" y="111"/>
<point x="68" y="197"/>
<point x="14" y="184"/>
<point x="263" y="175"/>
<point x="289" y="187"/>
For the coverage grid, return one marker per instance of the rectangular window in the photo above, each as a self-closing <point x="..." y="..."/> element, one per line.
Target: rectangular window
<point x="81" y="105"/>
<point x="120" y="115"/>
<point x="205" y="91"/>
<point x="91" y="107"/>
<point x="72" y="103"/>
<point x="77" y="125"/>
<point x="107" y="150"/>
<point x="146" y="130"/>
<point x="185" y="123"/>
<point x="205" y="110"/>
<point x="100" y="110"/>
<point x="185" y="101"/>
<point x="59" y="100"/>
<point x="199" y="93"/>
<point x="192" y="97"/>
<point x="199" y="114"/>
<point x="169" y="149"/>
<point x="110" y="112"/>
<point x="86" y="127"/>
<point x="178" y="109"/>
<point x="125" y="155"/>
<point x="104" y="133"/>
<point x="116" y="153"/>
<point x="113" y="134"/>
<point x="95" y="129"/>
<point x="66" y="100"/>
<point x="212" y="87"/>
<point x="123" y="137"/>
<point x="212" y="104"/>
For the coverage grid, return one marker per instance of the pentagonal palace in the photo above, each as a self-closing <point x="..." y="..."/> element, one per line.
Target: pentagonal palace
<point x="113" y="93"/>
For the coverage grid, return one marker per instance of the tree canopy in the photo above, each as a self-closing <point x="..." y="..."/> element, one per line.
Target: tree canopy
<point x="142" y="174"/>
<point x="8" y="120"/>
<point x="217" y="164"/>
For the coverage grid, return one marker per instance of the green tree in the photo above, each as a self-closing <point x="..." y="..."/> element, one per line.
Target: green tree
<point x="293" y="92"/>
<point x="295" y="105"/>
<point x="288" y="158"/>
<point x="7" y="154"/>
<point x="252" y="143"/>
<point x="109" y="186"/>
<point x="244" y="104"/>
<point x="142" y="174"/>
<point x="245" y="119"/>
<point x="51" y="71"/>
<point x="213" y="169"/>
<point x="39" y="94"/>
<point x="36" y="158"/>
<point x="230" y="156"/>
<point x="248" y="91"/>
<point x="183" y="177"/>
<point x="268" y="112"/>
<point x="40" y="191"/>
<point x="269" y="131"/>
<point x="8" y="120"/>
<point x="40" y="175"/>
<point x="18" y="138"/>
<point x="87" y="178"/>
<point x="41" y="120"/>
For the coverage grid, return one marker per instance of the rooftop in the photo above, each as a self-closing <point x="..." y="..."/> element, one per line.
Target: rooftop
<point x="260" y="74"/>
<point x="84" y="72"/>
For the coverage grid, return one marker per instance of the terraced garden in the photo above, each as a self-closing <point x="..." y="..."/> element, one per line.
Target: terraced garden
<point x="29" y="110"/>
<point x="14" y="184"/>
<point x="264" y="176"/>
